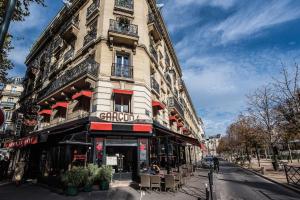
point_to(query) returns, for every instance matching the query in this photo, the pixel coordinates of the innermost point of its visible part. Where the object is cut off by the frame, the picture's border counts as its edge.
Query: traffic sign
(2, 117)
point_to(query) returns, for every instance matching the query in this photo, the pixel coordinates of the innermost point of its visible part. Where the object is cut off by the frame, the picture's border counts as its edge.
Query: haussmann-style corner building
(103, 85)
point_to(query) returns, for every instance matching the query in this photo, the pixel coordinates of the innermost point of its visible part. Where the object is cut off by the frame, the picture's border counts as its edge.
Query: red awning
(172, 118)
(60, 104)
(85, 93)
(117, 91)
(157, 104)
(203, 147)
(179, 125)
(45, 112)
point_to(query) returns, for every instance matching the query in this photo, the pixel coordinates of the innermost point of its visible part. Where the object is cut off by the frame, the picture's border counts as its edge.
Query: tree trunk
(275, 158)
(248, 156)
(290, 152)
(257, 155)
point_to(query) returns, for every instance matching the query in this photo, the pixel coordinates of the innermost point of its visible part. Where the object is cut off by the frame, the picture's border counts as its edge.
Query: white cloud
(216, 3)
(255, 17)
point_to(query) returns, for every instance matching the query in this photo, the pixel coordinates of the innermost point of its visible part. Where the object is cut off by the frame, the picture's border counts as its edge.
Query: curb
(5, 183)
(271, 180)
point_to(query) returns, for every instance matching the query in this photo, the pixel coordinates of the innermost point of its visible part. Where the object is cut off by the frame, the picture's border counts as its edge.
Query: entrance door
(127, 161)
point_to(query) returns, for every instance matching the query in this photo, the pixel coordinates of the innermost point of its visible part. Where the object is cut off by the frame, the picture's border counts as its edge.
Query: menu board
(111, 160)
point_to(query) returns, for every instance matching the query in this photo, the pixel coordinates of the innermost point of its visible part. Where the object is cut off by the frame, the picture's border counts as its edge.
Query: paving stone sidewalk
(194, 189)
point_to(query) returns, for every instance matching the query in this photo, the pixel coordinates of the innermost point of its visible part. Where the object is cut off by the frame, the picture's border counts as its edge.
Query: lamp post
(6, 21)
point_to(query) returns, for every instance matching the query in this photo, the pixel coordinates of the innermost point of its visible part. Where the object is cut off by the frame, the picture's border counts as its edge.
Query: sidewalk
(193, 190)
(269, 173)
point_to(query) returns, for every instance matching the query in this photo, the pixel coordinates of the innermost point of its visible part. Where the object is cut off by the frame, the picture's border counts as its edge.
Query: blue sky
(226, 48)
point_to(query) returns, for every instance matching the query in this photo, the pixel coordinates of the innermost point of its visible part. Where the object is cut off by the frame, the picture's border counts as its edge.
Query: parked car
(207, 162)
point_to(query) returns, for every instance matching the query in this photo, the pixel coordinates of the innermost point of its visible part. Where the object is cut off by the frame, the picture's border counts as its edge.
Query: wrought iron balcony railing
(68, 55)
(7, 104)
(155, 85)
(79, 114)
(88, 66)
(123, 28)
(173, 103)
(168, 78)
(127, 4)
(57, 44)
(120, 70)
(73, 21)
(167, 60)
(154, 53)
(92, 8)
(152, 19)
(92, 35)
(10, 93)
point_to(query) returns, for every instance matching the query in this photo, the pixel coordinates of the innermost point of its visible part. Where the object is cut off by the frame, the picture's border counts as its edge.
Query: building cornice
(52, 28)
(166, 34)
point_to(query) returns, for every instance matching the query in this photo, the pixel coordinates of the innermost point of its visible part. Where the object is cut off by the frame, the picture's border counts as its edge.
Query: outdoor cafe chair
(145, 181)
(170, 183)
(155, 182)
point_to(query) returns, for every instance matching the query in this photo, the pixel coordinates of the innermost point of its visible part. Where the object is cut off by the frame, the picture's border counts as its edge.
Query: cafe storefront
(130, 147)
(124, 141)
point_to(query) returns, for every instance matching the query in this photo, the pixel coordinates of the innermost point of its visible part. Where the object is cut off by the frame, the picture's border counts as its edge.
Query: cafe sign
(22, 142)
(117, 117)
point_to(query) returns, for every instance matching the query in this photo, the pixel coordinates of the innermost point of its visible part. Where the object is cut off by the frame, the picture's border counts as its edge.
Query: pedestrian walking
(216, 164)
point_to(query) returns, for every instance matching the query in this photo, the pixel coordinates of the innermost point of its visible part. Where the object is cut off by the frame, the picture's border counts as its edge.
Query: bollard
(262, 170)
(206, 192)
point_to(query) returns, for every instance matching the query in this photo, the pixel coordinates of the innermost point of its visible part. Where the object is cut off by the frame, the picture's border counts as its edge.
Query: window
(122, 66)
(122, 103)
(8, 115)
(10, 99)
(13, 89)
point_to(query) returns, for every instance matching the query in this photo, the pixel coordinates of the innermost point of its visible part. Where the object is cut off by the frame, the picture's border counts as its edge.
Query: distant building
(212, 144)
(9, 97)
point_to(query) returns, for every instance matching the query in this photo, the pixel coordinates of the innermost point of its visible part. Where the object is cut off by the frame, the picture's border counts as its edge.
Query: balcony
(6, 104)
(124, 5)
(154, 53)
(168, 78)
(155, 86)
(79, 114)
(91, 36)
(70, 29)
(86, 69)
(10, 93)
(175, 106)
(122, 71)
(68, 55)
(57, 44)
(167, 60)
(154, 27)
(123, 32)
(92, 9)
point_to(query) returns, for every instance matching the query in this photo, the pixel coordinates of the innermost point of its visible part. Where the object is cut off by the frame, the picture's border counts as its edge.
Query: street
(235, 183)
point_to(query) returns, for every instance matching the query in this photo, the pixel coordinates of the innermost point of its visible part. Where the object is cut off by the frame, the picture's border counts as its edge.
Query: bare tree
(288, 104)
(261, 107)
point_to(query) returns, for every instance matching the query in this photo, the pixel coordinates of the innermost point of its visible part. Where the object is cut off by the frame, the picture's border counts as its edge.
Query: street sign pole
(6, 21)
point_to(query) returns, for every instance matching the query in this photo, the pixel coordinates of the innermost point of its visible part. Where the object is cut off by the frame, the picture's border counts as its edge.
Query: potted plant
(104, 176)
(72, 179)
(90, 177)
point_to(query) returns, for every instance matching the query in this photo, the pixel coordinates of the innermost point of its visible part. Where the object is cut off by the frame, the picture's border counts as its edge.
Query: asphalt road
(234, 183)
